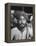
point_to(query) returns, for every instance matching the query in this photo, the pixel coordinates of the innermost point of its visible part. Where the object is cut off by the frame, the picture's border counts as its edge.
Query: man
(19, 32)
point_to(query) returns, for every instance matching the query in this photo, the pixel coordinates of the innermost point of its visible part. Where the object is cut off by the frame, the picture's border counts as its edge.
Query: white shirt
(18, 34)
(22, 35)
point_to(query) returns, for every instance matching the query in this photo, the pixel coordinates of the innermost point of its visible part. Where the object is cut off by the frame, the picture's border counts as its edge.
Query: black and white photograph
(21, 23)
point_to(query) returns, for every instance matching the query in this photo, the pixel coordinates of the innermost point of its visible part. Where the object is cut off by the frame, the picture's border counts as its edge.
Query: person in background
(29, 27)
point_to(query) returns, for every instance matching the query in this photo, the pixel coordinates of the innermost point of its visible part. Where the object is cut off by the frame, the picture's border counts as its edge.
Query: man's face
(22, 21)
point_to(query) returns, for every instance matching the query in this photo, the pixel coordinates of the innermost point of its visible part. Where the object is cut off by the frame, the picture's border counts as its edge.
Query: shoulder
(14, 29)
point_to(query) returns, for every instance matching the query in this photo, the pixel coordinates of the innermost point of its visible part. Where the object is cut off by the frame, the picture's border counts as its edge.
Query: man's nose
(22, 21)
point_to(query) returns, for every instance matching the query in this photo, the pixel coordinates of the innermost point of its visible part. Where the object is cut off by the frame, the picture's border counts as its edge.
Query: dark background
(21, 8)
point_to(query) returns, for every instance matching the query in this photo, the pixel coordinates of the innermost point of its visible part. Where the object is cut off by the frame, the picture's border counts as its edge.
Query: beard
(21, 27)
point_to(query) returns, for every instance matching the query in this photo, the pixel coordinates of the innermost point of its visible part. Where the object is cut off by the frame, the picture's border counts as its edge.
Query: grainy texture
(7, 22)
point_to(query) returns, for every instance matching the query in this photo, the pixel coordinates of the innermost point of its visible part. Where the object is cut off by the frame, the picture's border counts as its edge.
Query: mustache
(22, 24)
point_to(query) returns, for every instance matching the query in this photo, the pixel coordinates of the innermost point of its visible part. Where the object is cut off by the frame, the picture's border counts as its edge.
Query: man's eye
(23, 19)
(20, 20)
